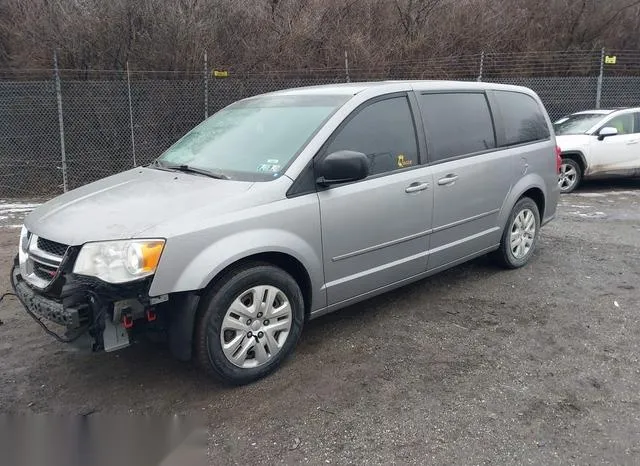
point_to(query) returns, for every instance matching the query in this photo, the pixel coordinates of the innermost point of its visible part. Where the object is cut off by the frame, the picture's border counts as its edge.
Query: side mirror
(341, 167)
(606, 132)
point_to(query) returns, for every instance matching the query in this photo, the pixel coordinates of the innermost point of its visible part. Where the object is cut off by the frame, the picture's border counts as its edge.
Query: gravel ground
(476, 365)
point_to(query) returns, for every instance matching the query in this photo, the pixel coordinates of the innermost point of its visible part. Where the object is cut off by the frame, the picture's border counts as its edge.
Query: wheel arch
(184, 307)
(282, 260)
(537, 196)
(577, 156)
(532, 186)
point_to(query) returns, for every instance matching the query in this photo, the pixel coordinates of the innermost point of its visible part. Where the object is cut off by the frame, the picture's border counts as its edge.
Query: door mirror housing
(341, 167)
(606, 132)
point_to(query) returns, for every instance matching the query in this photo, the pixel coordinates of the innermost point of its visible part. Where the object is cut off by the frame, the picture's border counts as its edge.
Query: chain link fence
(104, 122)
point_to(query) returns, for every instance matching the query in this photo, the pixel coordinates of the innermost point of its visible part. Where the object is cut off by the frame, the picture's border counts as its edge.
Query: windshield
(255, 139)
(577, 124)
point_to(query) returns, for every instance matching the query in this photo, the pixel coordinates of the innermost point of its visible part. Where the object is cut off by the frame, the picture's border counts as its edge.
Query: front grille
(43, 271)
(57, 249)
(40, 262)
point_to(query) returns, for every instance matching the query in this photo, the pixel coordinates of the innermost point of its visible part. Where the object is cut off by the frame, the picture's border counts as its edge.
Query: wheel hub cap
(250, 341)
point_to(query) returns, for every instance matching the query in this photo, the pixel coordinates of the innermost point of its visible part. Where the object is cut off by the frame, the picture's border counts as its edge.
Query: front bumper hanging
(85, 307)
(42, 307)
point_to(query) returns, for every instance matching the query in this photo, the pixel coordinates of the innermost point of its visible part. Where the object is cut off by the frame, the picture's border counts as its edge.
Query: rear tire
(232, 343)
(570, 175)
(520, 235)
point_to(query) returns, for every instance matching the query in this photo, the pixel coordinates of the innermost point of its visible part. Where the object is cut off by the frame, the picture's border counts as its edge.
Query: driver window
(384, 132)
(623, 123)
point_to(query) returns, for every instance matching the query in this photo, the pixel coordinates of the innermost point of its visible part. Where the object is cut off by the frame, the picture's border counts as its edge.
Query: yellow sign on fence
(610, 60)
(220, 74)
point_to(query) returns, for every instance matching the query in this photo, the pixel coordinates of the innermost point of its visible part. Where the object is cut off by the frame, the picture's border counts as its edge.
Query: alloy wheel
(568, 177)
(523, 233)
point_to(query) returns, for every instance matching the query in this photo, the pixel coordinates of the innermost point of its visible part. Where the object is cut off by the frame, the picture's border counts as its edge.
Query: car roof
(603, 111)
(357, 87)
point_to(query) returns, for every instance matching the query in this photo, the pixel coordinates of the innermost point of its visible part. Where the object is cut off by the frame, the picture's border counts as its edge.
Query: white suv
(598, 144)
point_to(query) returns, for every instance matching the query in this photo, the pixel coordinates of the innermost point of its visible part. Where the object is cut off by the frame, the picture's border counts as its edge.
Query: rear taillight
(558, 158)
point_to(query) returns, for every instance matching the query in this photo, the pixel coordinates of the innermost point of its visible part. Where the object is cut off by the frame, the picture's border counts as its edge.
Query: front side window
(625, 124)
(577, 124)
(384, 131)
(254, 139)
(522, 118)
(457, 124)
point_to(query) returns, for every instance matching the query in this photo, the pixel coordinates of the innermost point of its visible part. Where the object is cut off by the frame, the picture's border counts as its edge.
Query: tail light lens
(558, 158)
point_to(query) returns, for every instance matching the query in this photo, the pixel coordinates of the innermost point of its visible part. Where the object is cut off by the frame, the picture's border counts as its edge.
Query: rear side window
(384, 131)
(457, 124)
(522, 118)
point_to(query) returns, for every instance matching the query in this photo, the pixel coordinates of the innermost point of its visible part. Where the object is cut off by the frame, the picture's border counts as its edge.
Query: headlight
(119, 261)
(24, 239)
(23, 245)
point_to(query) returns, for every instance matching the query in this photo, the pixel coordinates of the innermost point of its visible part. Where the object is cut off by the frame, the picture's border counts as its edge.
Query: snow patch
(627, 193)
(14, 211)
(593, 215)
(17, 205)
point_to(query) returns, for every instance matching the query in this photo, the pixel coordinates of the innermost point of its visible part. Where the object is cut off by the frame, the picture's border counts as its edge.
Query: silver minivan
(285, 206)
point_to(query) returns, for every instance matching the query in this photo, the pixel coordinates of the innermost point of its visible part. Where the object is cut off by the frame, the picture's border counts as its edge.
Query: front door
(375, 231)
(619, 153)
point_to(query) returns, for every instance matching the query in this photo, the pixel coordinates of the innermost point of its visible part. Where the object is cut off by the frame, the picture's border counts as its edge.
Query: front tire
(520, 236)
(570, 175)
(249, 323)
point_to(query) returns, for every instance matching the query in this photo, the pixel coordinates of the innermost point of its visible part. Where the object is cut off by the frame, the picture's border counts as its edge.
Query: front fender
(217, 256)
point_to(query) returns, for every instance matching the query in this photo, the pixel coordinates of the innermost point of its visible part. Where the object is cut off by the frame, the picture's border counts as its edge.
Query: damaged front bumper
(88, 312)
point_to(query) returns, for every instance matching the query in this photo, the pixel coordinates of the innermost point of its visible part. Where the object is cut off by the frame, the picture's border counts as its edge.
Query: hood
(569, 142)
(120, 206)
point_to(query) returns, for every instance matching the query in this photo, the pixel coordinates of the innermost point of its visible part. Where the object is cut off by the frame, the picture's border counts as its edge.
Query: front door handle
(633, 141)
(449, 179)
(416, 187)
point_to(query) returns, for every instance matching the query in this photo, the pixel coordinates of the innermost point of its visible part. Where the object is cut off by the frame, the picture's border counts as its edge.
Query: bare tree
(257, 35)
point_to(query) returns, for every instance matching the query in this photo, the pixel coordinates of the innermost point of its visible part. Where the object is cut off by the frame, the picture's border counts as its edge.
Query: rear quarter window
(521, 118)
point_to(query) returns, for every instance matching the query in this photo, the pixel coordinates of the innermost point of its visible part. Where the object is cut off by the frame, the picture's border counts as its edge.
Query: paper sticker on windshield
(403, 162)
(272, 161)
(269, 168)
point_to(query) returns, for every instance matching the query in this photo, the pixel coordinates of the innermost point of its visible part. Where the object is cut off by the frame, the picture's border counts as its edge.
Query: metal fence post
(133, 139)
(600, 79)
(481, 66)
(63, 155)
(206, 87)
(346, 65)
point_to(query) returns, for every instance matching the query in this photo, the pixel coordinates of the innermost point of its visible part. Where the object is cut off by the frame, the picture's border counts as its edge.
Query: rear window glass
(522, 118)
(457, 124)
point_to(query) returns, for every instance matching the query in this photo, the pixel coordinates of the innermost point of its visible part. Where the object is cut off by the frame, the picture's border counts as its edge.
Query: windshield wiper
(190, 169)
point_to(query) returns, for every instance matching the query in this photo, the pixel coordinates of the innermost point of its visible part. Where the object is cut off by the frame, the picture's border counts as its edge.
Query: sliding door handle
(416, 187)
(449, 179)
